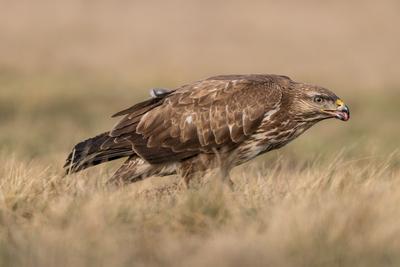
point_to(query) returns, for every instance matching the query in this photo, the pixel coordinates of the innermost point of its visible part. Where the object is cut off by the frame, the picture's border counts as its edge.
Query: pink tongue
(346, 116)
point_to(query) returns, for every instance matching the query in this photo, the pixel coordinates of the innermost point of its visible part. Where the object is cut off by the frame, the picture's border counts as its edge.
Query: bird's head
(315, 103)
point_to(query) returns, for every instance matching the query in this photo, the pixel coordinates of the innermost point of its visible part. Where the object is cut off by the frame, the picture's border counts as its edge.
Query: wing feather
(216, 113)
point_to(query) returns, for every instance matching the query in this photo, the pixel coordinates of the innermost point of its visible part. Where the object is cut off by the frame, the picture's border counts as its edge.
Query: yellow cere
(339, 102)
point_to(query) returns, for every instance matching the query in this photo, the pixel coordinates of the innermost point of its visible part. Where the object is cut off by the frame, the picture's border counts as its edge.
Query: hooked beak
(342, 111)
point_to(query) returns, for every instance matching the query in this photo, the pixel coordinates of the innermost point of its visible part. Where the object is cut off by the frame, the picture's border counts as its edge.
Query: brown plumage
(220, 122)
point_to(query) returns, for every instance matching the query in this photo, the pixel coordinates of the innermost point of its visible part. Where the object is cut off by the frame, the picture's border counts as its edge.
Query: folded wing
(220, 112)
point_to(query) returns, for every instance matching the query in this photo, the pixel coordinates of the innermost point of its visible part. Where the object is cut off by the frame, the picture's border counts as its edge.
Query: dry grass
(342, 214)
(328, 199)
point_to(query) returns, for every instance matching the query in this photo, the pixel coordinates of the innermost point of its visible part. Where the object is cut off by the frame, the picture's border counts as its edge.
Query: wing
(216, 113)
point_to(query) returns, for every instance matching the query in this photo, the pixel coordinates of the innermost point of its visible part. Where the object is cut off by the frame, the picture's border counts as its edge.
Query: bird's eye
(318, 99)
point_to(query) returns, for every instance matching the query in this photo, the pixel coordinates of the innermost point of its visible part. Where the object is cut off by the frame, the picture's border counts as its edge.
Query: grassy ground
(329, 198)
(344, 214)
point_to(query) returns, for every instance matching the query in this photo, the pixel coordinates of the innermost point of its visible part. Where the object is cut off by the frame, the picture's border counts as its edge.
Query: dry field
(330, 198)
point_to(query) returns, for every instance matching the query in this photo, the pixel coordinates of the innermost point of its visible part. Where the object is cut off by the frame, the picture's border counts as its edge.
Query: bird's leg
(223, 166)
(186, 173)
(224, 169)
(226, 177)
(129, 172)
(186, 180)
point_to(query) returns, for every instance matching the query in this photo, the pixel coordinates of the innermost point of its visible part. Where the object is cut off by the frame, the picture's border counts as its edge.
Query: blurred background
(67, 65)
(330, 198)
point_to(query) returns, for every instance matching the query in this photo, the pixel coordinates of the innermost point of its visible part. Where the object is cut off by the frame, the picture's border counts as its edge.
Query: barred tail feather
(89, 153)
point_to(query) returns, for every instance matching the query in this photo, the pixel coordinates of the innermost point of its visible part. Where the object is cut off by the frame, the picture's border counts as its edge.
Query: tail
(90, 153)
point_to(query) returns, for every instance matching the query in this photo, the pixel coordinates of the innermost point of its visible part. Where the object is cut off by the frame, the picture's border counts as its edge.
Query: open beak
(342, 112)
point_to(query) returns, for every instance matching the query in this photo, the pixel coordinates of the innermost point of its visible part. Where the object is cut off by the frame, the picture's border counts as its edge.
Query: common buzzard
(220, 122)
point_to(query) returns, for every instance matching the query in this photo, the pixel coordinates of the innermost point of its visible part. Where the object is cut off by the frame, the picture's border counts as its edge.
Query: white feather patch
(189, 119)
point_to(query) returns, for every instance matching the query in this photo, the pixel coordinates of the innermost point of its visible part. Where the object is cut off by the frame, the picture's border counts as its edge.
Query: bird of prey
(220, 122)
